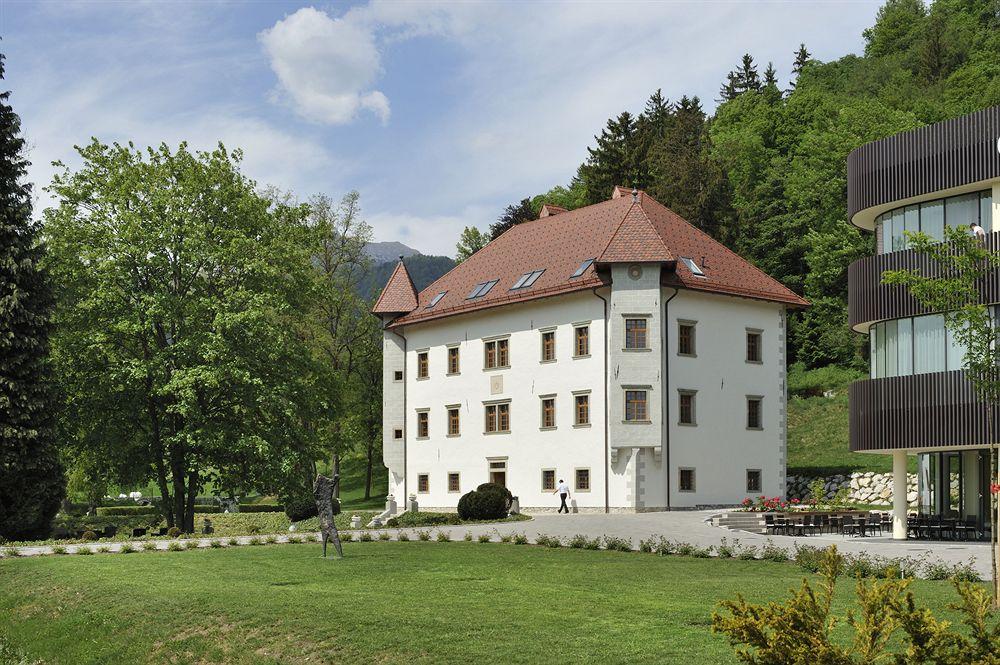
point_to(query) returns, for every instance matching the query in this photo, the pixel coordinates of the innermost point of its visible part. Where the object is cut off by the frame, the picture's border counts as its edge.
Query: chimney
(548, 210)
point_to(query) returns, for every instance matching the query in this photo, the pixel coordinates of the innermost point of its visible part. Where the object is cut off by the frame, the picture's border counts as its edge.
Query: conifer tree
(616, 160)
(770, 76)
(32, 484)
(747, 78)
(801, 59)
(512, 214)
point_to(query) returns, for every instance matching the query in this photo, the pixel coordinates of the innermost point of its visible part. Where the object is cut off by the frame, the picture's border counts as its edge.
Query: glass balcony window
(930, 217)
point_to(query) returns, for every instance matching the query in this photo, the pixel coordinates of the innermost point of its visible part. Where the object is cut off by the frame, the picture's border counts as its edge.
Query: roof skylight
(482, 289)
(693, 267)
(583, 268)
(527, 279)
(435, 300)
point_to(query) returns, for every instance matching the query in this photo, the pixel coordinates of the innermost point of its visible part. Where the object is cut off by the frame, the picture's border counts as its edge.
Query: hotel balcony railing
(870, 300)
(919, 411)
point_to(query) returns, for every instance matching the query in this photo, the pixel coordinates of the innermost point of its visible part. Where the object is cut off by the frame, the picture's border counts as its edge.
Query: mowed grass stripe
(386, 602)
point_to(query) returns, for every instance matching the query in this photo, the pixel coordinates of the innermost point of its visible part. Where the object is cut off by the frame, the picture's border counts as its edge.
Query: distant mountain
(381, 252)
(423, 269)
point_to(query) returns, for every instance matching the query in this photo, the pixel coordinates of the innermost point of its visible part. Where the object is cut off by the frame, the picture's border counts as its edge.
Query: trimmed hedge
(106, 511)
(424, 519)
(261, 508)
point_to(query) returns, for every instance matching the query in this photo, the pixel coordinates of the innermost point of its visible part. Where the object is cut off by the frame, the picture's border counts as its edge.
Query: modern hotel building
(917, 401)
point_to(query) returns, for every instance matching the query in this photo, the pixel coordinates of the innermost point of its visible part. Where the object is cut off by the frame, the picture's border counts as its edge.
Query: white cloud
(326, 66)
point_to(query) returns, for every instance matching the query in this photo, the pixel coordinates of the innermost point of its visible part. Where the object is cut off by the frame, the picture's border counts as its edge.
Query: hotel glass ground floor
(955, 484)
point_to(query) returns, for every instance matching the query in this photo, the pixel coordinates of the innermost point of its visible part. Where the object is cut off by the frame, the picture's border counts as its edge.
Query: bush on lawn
(483, 504)
(88, 535)
(499, 489)
(301, 506)
(173, 532)
(888, 625)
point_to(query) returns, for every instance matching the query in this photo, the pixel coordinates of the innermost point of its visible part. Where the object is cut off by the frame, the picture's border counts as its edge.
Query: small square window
(582, 480)
(635, 406)
(753, 481)
(453, 483)
(423, 483)
(582, 410)
(754, 353)
(635, 333)
(397, 375)
(548, 346)
(423, 424)
(685, 339)
(422, 365)
(686, 480)
(686, 407)
(582, 339)
(754, 416)
(548, 412)
(548, 480)
(397, 433)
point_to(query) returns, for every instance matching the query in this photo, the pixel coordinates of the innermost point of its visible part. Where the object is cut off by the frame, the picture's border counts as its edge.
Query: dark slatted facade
(870, 300)
(920, 411)
(926, 160)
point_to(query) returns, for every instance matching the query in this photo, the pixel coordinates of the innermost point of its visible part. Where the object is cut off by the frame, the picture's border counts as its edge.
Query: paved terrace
(686, 526)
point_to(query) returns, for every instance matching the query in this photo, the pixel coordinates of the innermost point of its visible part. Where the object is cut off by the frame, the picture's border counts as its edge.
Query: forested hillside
(766, 173)
(423, 270)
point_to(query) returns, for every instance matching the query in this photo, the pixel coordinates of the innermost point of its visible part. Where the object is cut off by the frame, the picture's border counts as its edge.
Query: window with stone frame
(636, 333)
(686, 483)
(453, 483)
(498, 418)
(582, 409)
(754, 351)
(636, 406)
(423, 483)
(548, 480)
(686, 407)
(685, 338)
(548, 412)
(581, 341)
(754, 415)
(454, 421)
(423, 365)
(548, 346)
(454, 366)
(582, 477)
(423, 424)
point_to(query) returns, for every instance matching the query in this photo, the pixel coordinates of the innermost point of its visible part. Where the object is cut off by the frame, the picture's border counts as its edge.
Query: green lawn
(818, 439)
(386, 602)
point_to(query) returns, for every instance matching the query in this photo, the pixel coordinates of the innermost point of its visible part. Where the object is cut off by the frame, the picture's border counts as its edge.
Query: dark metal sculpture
(323, 492)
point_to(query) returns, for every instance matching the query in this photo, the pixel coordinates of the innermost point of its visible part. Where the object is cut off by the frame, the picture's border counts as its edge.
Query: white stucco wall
(528, 449)
(720, 447)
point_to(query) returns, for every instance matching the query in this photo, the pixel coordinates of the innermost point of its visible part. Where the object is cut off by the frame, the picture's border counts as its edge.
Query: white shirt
(978, 231)
(563, 488)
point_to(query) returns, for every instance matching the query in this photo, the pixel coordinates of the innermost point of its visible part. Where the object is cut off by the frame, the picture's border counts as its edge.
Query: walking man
(563, 491)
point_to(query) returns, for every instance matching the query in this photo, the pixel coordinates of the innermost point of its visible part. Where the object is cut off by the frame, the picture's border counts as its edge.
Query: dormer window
(482, 289)
(527, 279)
(693, 267)
(435, 300)
(583, 268)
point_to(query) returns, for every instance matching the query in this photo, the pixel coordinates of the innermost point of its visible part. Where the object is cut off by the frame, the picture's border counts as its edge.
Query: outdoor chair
(769, 525)
(781, 525)
(811, 524)
(875, 524)
(969, 526)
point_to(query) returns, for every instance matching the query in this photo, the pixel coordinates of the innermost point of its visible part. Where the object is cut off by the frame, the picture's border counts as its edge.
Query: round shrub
(88, 535)
(300, 507)
(500, 489)
(482, 505)
(173, 532)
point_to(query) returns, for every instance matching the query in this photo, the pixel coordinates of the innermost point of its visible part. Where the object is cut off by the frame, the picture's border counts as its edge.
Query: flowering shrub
(764, 504)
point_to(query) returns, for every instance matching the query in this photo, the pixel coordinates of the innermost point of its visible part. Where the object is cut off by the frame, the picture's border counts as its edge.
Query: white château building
(615, 347)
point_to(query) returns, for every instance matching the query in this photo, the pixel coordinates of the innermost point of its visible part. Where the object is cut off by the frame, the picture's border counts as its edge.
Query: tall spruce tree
(617, 159)
(32, 483)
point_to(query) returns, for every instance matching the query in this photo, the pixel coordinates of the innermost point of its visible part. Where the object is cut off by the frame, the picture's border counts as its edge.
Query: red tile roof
(399, 295)
(613, 231)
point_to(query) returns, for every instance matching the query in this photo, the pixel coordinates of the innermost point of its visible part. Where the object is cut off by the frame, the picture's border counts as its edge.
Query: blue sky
(439, 114)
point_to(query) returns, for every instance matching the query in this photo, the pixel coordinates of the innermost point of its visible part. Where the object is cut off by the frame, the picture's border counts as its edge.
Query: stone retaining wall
(863, 487)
